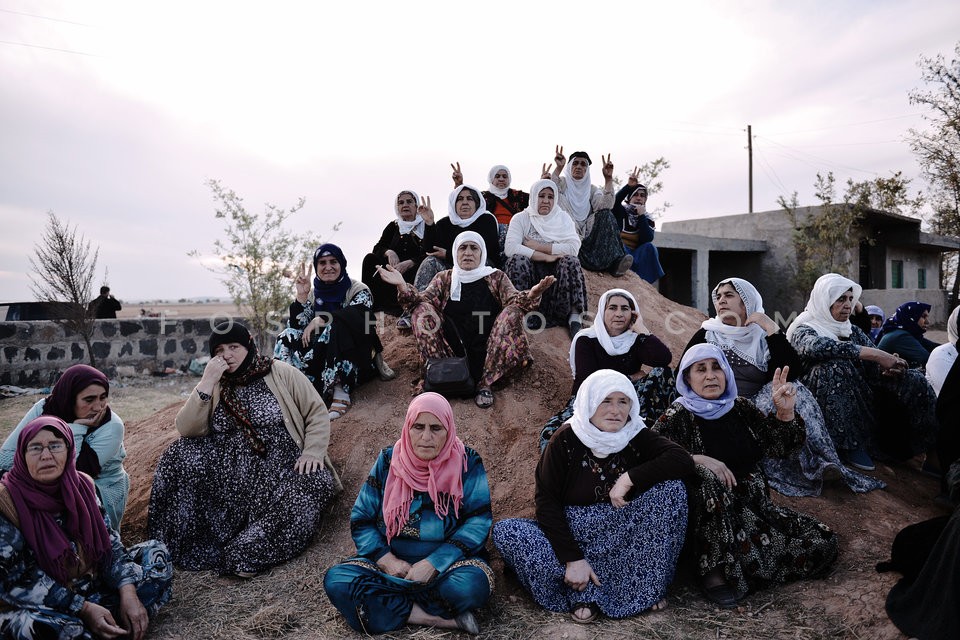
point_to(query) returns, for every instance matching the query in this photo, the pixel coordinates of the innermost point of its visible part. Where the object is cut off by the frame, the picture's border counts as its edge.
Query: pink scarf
(38, 504)
(441, 477)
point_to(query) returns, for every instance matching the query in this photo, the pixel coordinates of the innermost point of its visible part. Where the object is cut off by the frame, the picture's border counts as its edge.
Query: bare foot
(659, 606)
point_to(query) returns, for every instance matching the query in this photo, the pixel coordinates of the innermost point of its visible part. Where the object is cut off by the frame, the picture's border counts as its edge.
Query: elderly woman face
(406, 206)
(923, 320)
(328, 269)
(612, 414)
(501, 179)
(468, 255)
(729, 305)
(842, 307)
(617, 315)
(233, 353)
(545, 200)
(706, 379)
(90, 401)
(46, 456)
(578, 168)
(876, 322)
(427, 436)
(466, 204)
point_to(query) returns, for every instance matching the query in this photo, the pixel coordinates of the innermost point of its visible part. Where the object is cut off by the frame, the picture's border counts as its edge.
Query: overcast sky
(114, 114)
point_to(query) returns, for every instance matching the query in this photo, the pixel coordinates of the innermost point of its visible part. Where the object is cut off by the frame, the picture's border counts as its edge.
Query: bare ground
(289, 600)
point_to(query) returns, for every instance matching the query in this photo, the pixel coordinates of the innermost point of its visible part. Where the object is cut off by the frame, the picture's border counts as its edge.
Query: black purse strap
(456, 332)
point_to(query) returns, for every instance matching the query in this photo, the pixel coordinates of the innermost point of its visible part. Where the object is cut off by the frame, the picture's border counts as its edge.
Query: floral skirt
(567, 296)
(633, 550)
(602, 248)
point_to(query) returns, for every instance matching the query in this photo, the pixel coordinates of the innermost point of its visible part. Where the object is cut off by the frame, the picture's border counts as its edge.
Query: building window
(896, 274)
(921, 278)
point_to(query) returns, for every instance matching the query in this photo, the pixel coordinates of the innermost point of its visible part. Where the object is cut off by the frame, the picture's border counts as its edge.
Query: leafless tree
(64, 265)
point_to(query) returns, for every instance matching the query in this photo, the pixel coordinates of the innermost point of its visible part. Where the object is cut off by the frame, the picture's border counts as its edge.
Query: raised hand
(425, 210)
(559, 159)
(545, 172)
(607, 167)
(390, 275)
(634, 178)
(784, 394)
(765, 322)
(457, 175)
(538, 289)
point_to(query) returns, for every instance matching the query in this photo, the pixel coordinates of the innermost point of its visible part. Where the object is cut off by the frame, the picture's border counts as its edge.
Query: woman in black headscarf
(245, 486)
(331, 335)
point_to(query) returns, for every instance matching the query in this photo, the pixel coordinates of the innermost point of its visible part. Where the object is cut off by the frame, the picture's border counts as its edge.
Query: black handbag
(450, 377)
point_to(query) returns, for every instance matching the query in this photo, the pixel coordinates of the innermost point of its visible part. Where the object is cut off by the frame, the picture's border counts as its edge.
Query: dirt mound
(506, 436)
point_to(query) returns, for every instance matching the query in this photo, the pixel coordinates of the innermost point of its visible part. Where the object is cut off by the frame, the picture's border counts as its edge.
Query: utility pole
(749, 169)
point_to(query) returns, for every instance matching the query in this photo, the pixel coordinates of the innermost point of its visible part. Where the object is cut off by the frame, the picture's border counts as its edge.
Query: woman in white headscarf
(611, 511)
(472, 309)
(943, 357)
(755, 347)
(403, 245)
(466, 212)
(591, 209)
(844, 373)
(502, 201)
(542, 241)
(742, 540)
(619, 340)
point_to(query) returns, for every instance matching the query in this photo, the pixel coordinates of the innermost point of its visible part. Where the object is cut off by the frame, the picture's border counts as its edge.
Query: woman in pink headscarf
(420, 524)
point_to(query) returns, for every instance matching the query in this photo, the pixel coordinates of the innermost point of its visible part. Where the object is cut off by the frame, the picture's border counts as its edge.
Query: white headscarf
(592, 392)
(556, 226)
(750, 341)
(952, 325)
(816, 314)
(613, 345)
(461, 276)
(500, 193)
(578, 193)
(690, 399)
(452, 209)
(406, 226)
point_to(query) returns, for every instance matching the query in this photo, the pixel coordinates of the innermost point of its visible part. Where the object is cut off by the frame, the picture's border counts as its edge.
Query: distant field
(180, 310)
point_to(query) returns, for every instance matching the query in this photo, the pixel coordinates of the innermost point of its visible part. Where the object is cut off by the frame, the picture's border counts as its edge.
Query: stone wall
(34, 353)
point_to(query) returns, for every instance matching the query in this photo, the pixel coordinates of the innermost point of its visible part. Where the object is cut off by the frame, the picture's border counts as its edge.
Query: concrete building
(890, 257)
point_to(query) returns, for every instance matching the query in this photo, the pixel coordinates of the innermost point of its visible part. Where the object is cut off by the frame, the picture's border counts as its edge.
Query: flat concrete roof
(692, 241)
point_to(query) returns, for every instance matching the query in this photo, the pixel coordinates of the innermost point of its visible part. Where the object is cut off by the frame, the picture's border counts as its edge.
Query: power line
(39, 46)
(851, 124)
(824, 161)
(33, 15)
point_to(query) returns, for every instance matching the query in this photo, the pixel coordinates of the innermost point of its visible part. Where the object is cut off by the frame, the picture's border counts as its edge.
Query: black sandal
(721, 595)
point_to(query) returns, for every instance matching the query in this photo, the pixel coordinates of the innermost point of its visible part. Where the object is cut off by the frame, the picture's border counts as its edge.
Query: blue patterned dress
(375, 602)
(342, 353)
(33, 605)
(633, 550)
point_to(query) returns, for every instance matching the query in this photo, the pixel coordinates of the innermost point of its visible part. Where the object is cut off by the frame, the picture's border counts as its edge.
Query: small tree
(938, 151)
(64, 265)
(823, 243)
(649, 175)
(256, 255)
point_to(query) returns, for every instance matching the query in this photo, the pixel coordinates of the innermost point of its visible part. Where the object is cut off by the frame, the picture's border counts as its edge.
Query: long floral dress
(741, 531)
(33, 605)
(850, 392)
(375, 602)
(218, 505)
(344, 350)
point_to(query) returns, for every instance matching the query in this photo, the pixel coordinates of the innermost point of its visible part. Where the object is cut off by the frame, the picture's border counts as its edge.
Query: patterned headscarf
(906, 317)
(253, 367)
(592, 392)
(330, 296)
(441, 478)
(71, 497)
(699, 406)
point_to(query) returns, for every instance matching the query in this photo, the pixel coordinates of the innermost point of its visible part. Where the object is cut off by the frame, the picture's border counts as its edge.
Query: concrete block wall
(35, 353)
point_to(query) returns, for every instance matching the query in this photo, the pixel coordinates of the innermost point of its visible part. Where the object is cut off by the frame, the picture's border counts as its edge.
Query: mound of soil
(506, 435)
